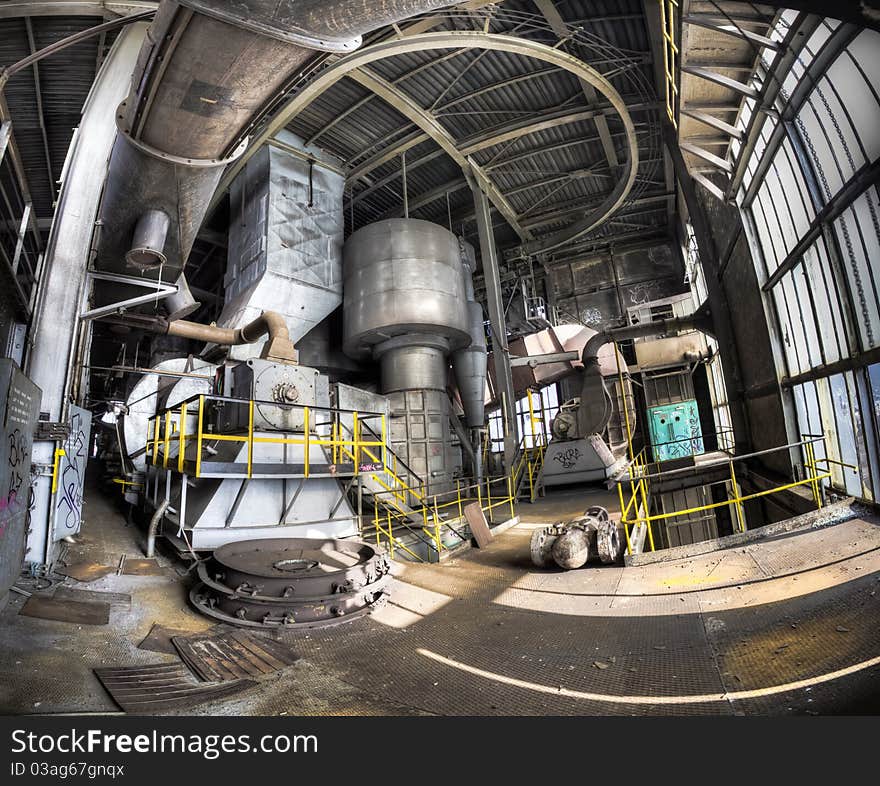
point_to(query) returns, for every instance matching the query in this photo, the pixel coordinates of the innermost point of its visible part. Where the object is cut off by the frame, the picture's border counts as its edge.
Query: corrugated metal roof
(472, 93)
(475, 93)
(64, 82)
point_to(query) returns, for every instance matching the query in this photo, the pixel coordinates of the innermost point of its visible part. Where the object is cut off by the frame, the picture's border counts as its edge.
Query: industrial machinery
(571, 544)
(246, 442)
(408, 305)
(588, 434)
(306, 583)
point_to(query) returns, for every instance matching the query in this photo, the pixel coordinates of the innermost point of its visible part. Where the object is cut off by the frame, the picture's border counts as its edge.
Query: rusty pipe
(271, 323)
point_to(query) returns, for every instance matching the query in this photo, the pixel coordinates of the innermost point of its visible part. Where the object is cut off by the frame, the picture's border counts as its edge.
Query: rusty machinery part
(285, 393)
(608, 542)
(541, 545)
(571, 549)
(570, 544)
(296, 582)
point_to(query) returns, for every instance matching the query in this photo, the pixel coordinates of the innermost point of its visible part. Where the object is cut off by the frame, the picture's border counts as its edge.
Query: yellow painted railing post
(489, 496)
(199, 436)
(181, 444)
(458, 497)
(437, 539)
(736, 499)
(155, 438)
(59, 452)
(814, 483)
(510, 494)
(308, 430)
(167, 438)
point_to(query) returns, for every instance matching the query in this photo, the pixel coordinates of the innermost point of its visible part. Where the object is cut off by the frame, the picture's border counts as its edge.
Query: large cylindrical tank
(402, 276)
(406, 305)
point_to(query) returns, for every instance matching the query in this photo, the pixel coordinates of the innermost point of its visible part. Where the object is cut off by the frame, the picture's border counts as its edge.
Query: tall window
(811, 208)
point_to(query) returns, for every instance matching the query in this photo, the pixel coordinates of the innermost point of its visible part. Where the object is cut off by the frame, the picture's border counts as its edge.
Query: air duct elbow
(279, 346)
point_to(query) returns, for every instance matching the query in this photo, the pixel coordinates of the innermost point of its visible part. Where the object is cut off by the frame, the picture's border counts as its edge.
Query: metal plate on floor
(163, 686)
(232, 654)
(117, 600)
(159, 639)
(74, 611)
(141, 567)
(85, 571)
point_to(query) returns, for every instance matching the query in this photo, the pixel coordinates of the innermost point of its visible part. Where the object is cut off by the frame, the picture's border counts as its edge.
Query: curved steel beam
(426, 121)
(467, 39)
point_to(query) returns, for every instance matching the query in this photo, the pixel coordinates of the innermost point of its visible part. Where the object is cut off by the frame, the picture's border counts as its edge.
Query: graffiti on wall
(71, 475)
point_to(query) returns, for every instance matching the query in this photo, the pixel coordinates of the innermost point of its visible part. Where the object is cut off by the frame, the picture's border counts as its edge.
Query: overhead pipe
(193, 103)
(271, 323)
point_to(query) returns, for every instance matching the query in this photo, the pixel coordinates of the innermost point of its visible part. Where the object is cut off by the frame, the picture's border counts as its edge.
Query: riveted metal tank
(406, 305)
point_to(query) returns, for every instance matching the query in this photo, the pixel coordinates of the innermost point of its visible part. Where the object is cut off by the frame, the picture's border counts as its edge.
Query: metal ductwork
(596, 405)
(470, 363)
(205, 73)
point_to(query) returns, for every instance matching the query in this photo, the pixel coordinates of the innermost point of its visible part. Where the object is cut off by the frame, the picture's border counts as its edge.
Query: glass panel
(858, 233)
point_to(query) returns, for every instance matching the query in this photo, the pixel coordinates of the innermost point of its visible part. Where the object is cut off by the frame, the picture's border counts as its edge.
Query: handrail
(741, 457)
(639, 483)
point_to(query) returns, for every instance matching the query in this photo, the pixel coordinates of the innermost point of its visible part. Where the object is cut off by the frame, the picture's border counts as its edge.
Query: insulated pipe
(590, 355)
(278, 347)
(154, 528)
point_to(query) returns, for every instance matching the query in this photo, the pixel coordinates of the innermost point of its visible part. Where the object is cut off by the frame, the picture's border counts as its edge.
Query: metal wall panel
(19, 408)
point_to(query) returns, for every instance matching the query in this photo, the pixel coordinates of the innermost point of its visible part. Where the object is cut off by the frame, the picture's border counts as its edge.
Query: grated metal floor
(486, 634)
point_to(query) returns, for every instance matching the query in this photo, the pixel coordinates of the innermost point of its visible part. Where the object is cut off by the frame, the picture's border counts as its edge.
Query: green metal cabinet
(675, 430)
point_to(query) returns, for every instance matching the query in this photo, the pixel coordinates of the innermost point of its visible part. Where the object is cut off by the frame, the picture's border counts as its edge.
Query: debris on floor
(220, 655)
(85, 571)
(159, 639)
(163, 686)
(133, 566)
(76, 611)
(117, 600)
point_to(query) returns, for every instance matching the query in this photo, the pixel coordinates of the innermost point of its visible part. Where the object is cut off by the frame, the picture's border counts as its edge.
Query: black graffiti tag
(71, 481)
(568, 458)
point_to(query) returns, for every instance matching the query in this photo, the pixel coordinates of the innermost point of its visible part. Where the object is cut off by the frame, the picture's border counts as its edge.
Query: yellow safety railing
(670, 55)
(437, 511)
(635, 510)
(346, 444)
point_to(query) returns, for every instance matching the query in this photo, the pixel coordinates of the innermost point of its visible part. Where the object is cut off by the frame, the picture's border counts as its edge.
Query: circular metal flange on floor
(302, 582)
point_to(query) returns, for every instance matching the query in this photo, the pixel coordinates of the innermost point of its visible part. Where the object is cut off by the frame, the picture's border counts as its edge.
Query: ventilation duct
(205, 73)
(285, 240)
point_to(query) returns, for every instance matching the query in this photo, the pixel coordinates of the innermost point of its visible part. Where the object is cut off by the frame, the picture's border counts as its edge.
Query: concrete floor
(790, 625)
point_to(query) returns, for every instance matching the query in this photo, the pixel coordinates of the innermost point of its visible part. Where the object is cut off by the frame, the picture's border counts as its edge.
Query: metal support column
(495, 302)
(715, 296)
(56, 323)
